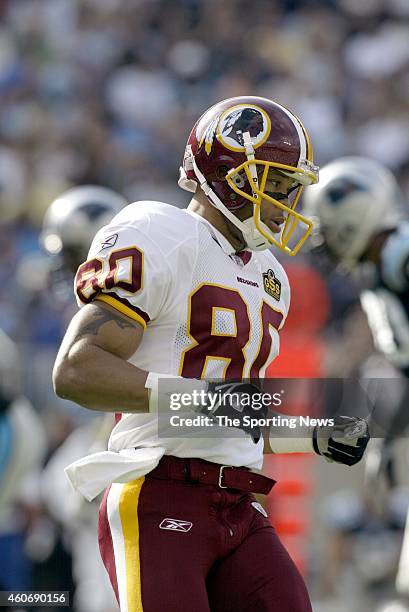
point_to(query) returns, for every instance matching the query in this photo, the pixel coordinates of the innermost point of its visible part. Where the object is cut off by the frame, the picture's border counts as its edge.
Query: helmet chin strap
(254, 240)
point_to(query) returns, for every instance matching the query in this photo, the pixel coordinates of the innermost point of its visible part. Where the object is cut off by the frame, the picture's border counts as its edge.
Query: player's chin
(274, 226)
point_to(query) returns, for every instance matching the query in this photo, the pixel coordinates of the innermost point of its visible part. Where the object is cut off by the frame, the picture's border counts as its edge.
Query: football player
(169, 299)
(362, 221)
(69, 225)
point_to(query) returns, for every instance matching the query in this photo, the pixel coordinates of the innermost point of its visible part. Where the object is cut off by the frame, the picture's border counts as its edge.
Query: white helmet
(355, 199)
(74, 218)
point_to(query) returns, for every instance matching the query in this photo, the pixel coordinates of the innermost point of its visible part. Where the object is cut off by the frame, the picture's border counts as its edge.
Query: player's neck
(201, 206)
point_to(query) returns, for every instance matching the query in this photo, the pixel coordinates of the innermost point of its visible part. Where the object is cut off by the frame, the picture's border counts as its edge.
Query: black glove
(228, 406)
(344, 442)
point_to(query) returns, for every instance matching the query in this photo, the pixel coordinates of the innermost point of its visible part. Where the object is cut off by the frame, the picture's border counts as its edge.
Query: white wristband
(290, 444)
(183, 385)
(152, 380)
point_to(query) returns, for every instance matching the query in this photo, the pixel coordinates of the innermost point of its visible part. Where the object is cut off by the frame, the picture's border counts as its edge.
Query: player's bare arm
(91, 366)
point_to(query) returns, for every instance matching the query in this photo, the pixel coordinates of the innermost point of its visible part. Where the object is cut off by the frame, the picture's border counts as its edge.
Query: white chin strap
(254, 240)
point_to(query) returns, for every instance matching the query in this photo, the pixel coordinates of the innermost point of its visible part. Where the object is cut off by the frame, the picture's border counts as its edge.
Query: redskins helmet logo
(209, 135)
(229, 127)
(240, 119)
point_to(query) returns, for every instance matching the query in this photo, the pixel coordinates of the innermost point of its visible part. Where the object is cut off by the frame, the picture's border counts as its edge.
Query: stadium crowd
(105, 91)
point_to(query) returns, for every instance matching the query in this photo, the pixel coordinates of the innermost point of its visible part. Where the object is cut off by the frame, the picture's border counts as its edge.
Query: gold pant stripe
(128, 511)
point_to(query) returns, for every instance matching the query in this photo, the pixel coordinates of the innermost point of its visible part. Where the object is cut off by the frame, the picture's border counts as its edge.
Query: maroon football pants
(179, 547)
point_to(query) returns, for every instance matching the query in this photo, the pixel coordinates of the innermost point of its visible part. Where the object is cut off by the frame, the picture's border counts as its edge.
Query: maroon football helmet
(230, 152)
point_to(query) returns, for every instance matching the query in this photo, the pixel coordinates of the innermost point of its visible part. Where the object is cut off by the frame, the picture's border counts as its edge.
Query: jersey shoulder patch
(275, 279)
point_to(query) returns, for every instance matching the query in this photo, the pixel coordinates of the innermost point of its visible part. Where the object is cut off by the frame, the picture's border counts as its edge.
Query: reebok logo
(110, 241)
(175, 525)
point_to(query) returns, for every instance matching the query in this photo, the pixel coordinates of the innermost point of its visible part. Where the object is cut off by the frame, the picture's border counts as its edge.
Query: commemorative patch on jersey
(272, 285)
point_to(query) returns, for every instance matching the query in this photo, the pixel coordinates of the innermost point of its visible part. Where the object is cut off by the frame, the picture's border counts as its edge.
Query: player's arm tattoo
(99, 318)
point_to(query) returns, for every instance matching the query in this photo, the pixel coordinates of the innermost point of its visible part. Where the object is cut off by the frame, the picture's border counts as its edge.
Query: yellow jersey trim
(126, 310)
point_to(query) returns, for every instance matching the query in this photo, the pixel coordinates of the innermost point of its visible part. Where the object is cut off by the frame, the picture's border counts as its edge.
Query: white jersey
(207, 313)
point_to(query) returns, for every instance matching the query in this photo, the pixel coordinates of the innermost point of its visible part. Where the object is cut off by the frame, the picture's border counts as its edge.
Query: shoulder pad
(395, 259)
